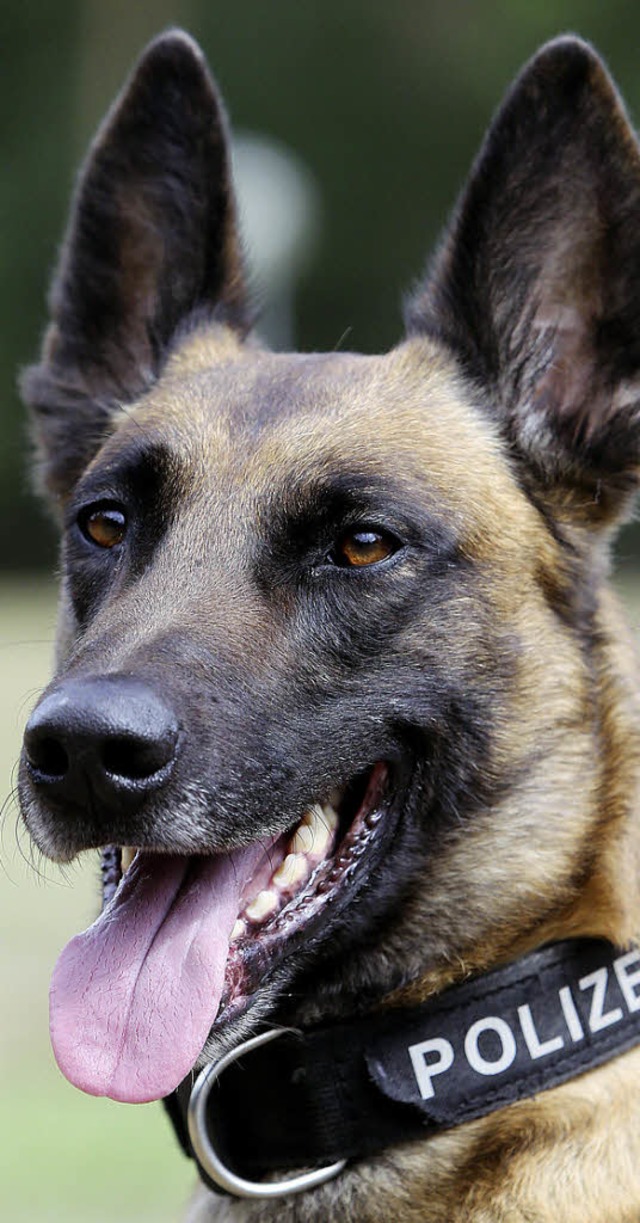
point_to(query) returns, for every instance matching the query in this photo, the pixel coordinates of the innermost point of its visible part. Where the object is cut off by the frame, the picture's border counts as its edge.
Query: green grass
(63, 1155)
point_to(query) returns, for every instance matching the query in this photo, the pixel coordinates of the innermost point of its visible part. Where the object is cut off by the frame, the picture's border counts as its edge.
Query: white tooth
(313, 814)
(266, 902)
(290, 872)
(321, 838)
(314, 831)
(127, 854)
(302, 840)
(239, 929)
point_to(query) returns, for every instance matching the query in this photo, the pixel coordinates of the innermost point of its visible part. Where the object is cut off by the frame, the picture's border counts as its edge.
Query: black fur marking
(304, 521)
(146, 480)
(152, 238)
(536, 287)
(68, 427)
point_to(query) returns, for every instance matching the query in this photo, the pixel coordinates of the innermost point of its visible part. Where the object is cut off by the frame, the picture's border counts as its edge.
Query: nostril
(46, 755)
(104, 740)
(133, 758)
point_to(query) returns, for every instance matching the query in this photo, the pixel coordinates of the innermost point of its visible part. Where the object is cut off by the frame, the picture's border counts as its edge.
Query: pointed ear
(537, 284)
(152, 239)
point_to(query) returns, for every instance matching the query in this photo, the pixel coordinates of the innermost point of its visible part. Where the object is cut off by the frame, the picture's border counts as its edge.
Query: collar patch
(512, 1033)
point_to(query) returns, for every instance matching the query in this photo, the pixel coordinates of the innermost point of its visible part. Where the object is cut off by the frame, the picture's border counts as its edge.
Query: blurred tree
(110, 37)
(385, 103)
(36, 105)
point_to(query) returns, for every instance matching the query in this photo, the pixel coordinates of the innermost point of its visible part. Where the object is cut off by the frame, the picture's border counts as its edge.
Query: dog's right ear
(152, 239)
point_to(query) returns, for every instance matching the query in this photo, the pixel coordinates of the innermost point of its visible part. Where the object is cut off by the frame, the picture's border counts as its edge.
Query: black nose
(103, 740)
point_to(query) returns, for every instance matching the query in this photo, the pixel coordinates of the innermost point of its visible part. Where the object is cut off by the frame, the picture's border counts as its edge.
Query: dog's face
(330, 623)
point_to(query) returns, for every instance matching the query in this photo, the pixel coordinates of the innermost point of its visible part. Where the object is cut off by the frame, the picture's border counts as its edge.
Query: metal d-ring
(206, 1153)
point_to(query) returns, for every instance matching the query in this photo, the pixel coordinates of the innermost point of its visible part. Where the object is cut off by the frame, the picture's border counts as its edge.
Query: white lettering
(569, 1010)
(492, 1023)
(628, 980)
(426, 1071)
(536, 1047)
(598, 1018)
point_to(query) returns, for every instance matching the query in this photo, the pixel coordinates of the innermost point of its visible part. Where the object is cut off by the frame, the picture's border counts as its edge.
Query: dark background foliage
(385, 103)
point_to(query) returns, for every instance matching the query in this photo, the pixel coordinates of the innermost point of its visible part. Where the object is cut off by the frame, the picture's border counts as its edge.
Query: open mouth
(184, 943)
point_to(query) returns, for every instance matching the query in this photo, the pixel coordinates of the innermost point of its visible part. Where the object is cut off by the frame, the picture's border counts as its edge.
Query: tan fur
(572, 1153)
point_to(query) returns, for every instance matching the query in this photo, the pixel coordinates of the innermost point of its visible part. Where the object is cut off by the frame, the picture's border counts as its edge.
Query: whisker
(347, 332)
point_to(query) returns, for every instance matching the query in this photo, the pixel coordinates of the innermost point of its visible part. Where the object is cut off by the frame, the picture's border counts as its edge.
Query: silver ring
(206, 1153)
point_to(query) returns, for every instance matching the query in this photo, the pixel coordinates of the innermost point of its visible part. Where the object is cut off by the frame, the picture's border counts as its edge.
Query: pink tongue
(133, 998)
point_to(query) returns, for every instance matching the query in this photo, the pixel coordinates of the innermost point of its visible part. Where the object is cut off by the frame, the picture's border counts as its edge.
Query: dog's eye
(363, 546)
(103, 525)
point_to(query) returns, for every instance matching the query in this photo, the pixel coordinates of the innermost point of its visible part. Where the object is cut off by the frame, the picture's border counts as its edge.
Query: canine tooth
(127, 854)
(314, 831)
(302, 840)
(266, 902)
(321, 838)
(291, 871)
(313, 813)
(238, 930)
(330, 815)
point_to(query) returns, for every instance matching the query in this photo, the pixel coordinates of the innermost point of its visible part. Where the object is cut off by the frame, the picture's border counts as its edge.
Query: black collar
(344, 1091)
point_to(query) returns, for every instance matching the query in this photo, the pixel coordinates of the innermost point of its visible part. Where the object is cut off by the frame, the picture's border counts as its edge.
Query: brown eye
(104, 526)
(364, 547)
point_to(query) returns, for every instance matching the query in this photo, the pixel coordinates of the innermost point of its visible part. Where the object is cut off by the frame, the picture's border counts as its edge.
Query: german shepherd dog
(339, 668)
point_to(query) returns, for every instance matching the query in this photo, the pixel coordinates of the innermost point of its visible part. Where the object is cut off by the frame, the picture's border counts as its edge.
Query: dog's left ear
(152, 240)
(537, 285)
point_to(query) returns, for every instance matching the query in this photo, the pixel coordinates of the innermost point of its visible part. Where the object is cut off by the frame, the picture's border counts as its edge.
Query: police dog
(303, 591)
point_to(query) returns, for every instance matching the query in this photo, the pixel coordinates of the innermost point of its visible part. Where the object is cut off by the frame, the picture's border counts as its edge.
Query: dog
(342, 690)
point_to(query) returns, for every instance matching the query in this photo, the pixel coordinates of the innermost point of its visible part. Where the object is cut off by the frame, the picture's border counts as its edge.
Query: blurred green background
(384, 105)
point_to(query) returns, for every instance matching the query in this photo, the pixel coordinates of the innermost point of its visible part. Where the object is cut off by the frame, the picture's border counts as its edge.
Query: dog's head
(333, 651)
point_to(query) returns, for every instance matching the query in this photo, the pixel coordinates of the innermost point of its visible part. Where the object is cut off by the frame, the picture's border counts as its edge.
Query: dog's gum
(372, 819)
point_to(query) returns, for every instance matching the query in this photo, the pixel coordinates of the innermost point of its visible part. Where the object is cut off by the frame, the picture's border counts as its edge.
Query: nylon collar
(345, 1091)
